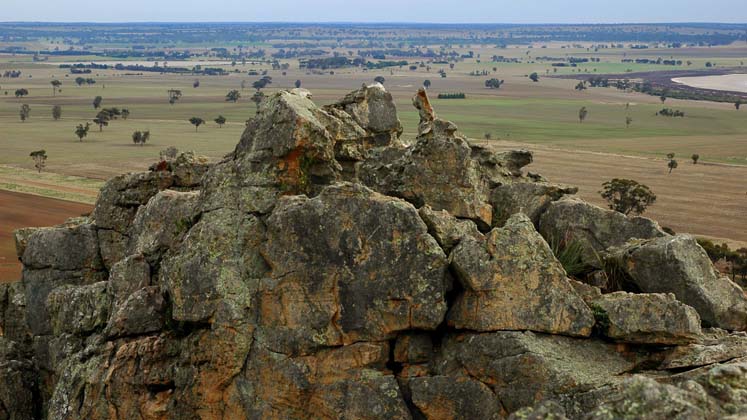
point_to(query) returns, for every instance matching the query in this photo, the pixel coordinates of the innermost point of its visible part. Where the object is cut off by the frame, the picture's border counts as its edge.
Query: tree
(737, 104)
(197, 122)
(535, 77)
(233, 96)
(220, 121)
(125, 113)
(55, 85)
(80, 81)
(298, 84)
(580, 86)
(40, 159)
(663, 98)
(379, 79)
(628, 120)
(102, 119)
(695, 157)
(97, 102)
(174, 95)
(24, 112)
(582, 113)
(56, 112)
(262, 83)
(627, 196)
(257, 98)
(487, 136)
(82, 130)
(21, 93)
(672, 165)
(140, 137)
(196, 83)
(493, 83)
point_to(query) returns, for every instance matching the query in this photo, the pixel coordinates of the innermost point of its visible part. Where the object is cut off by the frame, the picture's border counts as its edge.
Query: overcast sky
(474, 11)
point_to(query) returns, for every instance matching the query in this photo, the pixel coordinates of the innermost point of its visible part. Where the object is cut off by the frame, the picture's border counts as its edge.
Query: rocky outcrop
(512, 281)
(326, 268)
(647, 318)
(678, 265)
(594, 228)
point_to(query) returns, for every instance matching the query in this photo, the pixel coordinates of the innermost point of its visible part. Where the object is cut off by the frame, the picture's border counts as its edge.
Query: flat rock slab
(648, 318)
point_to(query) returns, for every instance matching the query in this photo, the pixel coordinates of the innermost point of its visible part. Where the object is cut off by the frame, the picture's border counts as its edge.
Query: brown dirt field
(21, 210)
(708, 200)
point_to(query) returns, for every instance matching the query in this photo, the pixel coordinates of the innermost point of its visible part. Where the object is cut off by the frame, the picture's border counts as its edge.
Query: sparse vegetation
(40, 159)
(140, 137)
(197, 122)
(82, 131)
(25, 112)
(627, 196)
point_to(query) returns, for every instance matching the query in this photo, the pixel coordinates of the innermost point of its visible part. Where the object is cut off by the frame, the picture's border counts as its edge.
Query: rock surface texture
(329, 269)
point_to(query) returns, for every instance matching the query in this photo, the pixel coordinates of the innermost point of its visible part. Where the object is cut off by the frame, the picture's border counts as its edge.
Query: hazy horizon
(384, 11)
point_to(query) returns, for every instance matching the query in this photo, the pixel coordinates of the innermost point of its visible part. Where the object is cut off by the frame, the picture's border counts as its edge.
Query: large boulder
(78, 309)
(444, 397)
(214, 273)
(447, 229)
(54, 257)
(512, 281)
(443, 170)
(715, 347)
(530, 198)
(373, 109)
(17, 383)
(348, 265)
(162, 223)
(595, 229)
(344, 382)
(645, 399)
(523, 368)
(649, 318)
(117, 205)
(677, 264)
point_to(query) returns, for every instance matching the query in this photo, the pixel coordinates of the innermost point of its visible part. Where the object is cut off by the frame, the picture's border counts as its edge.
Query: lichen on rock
(329, 268)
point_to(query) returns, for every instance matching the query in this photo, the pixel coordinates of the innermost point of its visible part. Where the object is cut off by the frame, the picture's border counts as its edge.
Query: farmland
(706, 199)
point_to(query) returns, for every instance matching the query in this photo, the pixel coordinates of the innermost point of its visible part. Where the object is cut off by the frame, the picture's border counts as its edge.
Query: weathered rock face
(325, 269)
(523, 368)
(531, 199)
(595, 228)
(512, 281)
(646, 318)
(348, 265)
(443, 170)
(678, 265)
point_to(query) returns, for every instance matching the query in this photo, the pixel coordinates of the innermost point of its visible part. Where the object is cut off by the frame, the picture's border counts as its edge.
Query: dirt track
(21, 210)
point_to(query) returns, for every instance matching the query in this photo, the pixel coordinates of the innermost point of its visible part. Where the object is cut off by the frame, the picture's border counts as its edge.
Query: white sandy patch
(733, 82)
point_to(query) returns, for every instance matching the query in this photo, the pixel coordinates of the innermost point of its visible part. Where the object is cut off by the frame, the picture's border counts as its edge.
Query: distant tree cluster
(668, 112)
(493, 83)
(456, 95)
(736, 259)
(140, 137)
